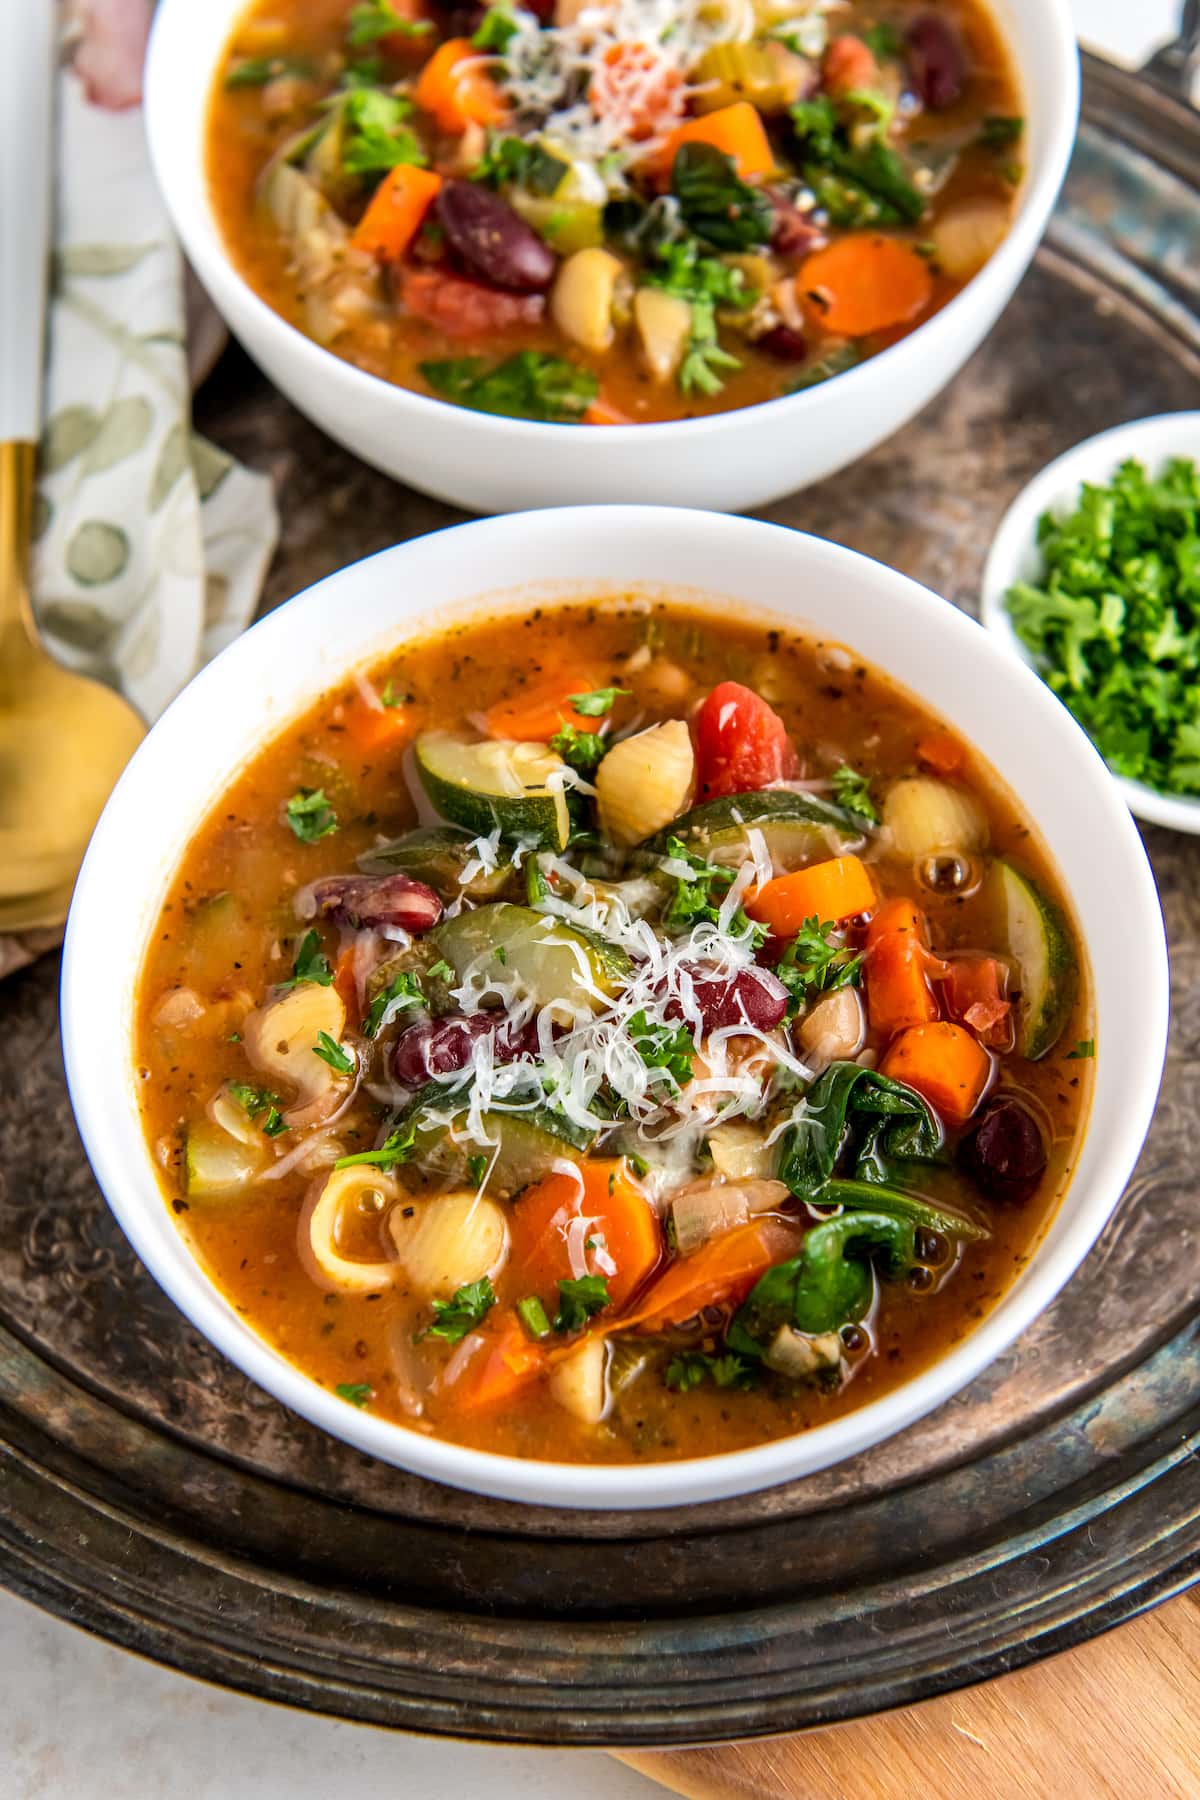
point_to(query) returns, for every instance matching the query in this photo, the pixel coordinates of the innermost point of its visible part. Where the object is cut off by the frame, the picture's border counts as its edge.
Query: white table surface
(81, 1720)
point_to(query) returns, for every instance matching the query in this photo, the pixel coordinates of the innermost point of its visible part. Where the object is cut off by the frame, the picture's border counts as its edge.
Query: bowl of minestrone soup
(617, 1006)
(687, 252)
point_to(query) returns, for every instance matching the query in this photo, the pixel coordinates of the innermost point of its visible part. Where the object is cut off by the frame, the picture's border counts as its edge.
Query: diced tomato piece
(465, 309)
(974, 990)
(741, 743)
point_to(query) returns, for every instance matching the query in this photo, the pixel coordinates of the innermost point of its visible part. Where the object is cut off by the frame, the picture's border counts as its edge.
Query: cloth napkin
(152, 542)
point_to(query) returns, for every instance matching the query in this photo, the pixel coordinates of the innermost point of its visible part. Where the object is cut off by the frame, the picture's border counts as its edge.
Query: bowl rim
(1150, 439)
(101, 1083)
(222, 278)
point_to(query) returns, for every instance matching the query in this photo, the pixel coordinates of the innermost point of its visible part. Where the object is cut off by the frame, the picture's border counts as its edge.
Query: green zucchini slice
(540, 952)
(529, 1143)
(437, 855)
(519, 787)
(796, 828)
(1036, 937)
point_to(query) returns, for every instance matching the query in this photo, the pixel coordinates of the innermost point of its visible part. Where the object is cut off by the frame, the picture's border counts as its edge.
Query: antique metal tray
(149, 1492)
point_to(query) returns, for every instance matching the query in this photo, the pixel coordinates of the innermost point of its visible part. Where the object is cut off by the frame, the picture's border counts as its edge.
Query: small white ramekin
(265, 678)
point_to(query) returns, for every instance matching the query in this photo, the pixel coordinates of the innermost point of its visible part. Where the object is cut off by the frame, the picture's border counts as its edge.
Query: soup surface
(621, 1033)
(628, 211)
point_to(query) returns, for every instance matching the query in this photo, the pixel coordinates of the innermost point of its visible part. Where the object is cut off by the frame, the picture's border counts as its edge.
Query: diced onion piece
(218, 1164)
(740, 1150)
(450, 1241)
(320, 1230)
(923, 815)
(833, 1031)
(967, 234)
(279, 1040)
(233, 1118)
(578, 1382)
(664, 325)
(710, 1209)
(645, 781)
(584, 293)
(794, 1354)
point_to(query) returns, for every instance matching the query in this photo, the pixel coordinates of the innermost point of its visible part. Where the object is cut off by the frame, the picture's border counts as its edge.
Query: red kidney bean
(443, 1046)
(784, 344)
(792, 232)
(751, 997)
(1005, 1153)
(492, 240)
(373, 900)
(937, 61)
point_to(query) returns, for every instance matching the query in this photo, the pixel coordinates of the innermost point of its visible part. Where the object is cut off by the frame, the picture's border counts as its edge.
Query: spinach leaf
(872, 1119)
(529, 385)
(715, 202)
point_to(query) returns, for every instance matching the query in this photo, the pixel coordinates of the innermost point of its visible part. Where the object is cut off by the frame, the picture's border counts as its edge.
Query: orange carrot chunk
(603, 412)
(737, 130)
(534, 713)
(505, 1362)
(375, 728)
(898, 990)
(623, 1229)
(455, 88)
(941, 752)
(723, 1270)
(395, 214)
(848, 65)
(945, 1064)
(865, 283)
(836, 890)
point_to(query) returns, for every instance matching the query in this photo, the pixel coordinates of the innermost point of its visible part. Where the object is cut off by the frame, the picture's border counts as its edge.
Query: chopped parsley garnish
(400, 993)
(331, 1052)
(310, 815)
(530, 385)
(452, 1319)
(259, 1101)
(400, 1146)
(705, 282)
(691, 1368)
(311, 964)
(857, 185)
(1001, 133)
(477, 1168)
(715, 203)
(1114, 622)
(699, 895)
(375, 19)
(666, 1050)
(884, 42)
(440, 971)
(598, 701)
(578, 1300)
(389, 697)
(375, 136)
(496, 28)
(256, 71)
(582, 750)
(853, 791)
(815, 963)
(1084, 1051)
(533, 1317)
(526, 165)
(356, 1392)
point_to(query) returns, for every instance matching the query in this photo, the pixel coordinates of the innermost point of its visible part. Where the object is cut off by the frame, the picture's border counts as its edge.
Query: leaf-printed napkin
(152, 543)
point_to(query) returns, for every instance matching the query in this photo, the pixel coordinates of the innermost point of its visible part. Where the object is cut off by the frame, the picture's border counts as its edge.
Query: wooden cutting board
(1116, 1719)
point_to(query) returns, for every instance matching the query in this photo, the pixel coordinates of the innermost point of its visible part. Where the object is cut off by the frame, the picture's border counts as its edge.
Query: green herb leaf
(515, 161)
(817, 961)
(530, 385)
(402, 992)
(375, 136)
(579, 1300)
(259, 1102)
(1001, 133)
(256, 71)
(715, 202)
(400, 1146)
(705, 282)
(691, 1368)
(441, 971)
(532, 1315)
(599, 701)
(884, 42)
(666, 1050)
(1114, 623)
(331, 1052)
(453, 1319)
(853, 791)
(311, 963)
(310, 815)
(495, 29)
(477, 1168)
(375, 19)
(583, 750)
(1084, 1051)
(390, 696)
(356, 1392)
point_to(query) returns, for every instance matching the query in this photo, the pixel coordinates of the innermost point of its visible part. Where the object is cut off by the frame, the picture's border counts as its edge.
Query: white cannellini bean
(578, 1381)
(923, 815)
(645, 781)
(967, 234)
(834, 1030)
(664, 325)
(449, 1241)
(582, 300)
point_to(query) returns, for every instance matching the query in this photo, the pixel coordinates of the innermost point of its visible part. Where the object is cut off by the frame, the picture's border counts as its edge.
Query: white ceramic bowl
(1015, 556)
(264, 678)
(732, 460)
